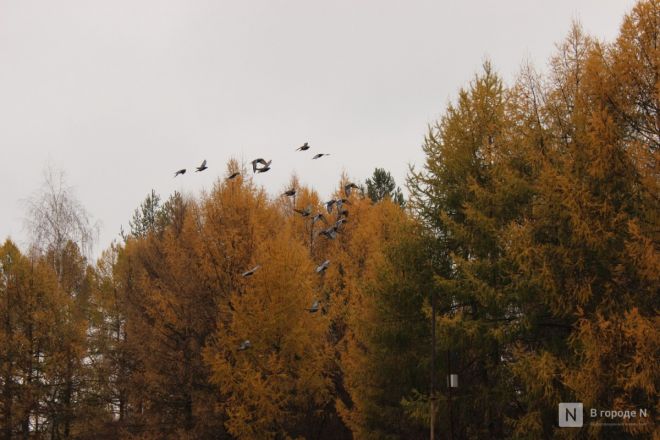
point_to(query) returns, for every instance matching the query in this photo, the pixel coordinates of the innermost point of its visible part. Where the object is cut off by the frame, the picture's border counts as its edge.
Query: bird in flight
(340, 203)
(251, 272)
(303, 147)
(232, 176)
(265, 165)
(330, 233)
(340, 222)
(290, 193)
(329, 204)
(202, 167)
(320, 155)
(315, 307)
(323, 266)
(318, 217)
(181, 171)
(304, 212)
(349, 187)
(244, 345)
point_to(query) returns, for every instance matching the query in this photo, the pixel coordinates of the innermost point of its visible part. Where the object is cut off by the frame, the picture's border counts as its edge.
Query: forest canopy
(533, 225)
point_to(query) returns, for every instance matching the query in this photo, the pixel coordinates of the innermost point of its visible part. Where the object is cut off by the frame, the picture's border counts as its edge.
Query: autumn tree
(586, 249)
(473, 185)
(279, 387)
(31, 307)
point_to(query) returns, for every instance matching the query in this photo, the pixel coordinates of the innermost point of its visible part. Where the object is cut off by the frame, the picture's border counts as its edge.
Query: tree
(146, 216)
(381, 185)
(471, 188)
(585, 251)
(55, 217)
(61, 234)
(280, 386)
(32, 306)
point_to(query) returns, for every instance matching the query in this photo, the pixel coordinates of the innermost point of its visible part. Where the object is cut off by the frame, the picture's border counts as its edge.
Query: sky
(120, 94)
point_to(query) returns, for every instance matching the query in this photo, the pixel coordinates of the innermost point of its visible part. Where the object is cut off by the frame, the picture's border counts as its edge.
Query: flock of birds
(261, 165)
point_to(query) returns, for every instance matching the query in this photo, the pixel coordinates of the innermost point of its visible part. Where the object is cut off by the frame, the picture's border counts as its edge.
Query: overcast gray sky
(119, 94)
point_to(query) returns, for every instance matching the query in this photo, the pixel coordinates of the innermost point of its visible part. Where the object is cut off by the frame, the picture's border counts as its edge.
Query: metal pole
(433, 365)
(451, 422)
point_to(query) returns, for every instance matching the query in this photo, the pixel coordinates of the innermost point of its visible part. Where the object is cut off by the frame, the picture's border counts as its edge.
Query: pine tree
(381, 185)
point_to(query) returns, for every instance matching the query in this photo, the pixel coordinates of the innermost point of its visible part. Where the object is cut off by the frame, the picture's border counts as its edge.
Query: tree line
(533, 222)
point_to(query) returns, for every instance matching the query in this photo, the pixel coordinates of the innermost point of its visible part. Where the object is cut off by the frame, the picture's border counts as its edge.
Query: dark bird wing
(257, 161)
(329, 204)
(318, 217)
(349, 187)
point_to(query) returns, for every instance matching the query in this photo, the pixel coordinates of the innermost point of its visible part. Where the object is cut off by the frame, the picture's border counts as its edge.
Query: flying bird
(232, 176)
(323, 267)
(260, 161)
(330, 233)
(320, 155)
(245, 345)
(290, 193)
(349, 187)
(202, 167)
(305, 212)
(315, 307)
(251, 272)
(318, 217)
(181, 171)
(340, 203)
(329, 204)
(304, 147)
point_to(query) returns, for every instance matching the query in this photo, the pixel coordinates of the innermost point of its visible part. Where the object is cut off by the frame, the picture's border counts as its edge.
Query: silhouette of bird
(304, 147)
(289, 193)
(245, 345)
(264, 168)
(232, 176)
(340, 222)
(329, 204)
(340, 203)
(318, 217)
(315, 307)
(330, 233)
(181, 171)
(349, 187)
(202, 167)
(251, 272)
(323, 266)
(305, 212)
(320, 155)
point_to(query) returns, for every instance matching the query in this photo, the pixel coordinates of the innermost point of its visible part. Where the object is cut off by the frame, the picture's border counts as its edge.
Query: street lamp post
(433, 365)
